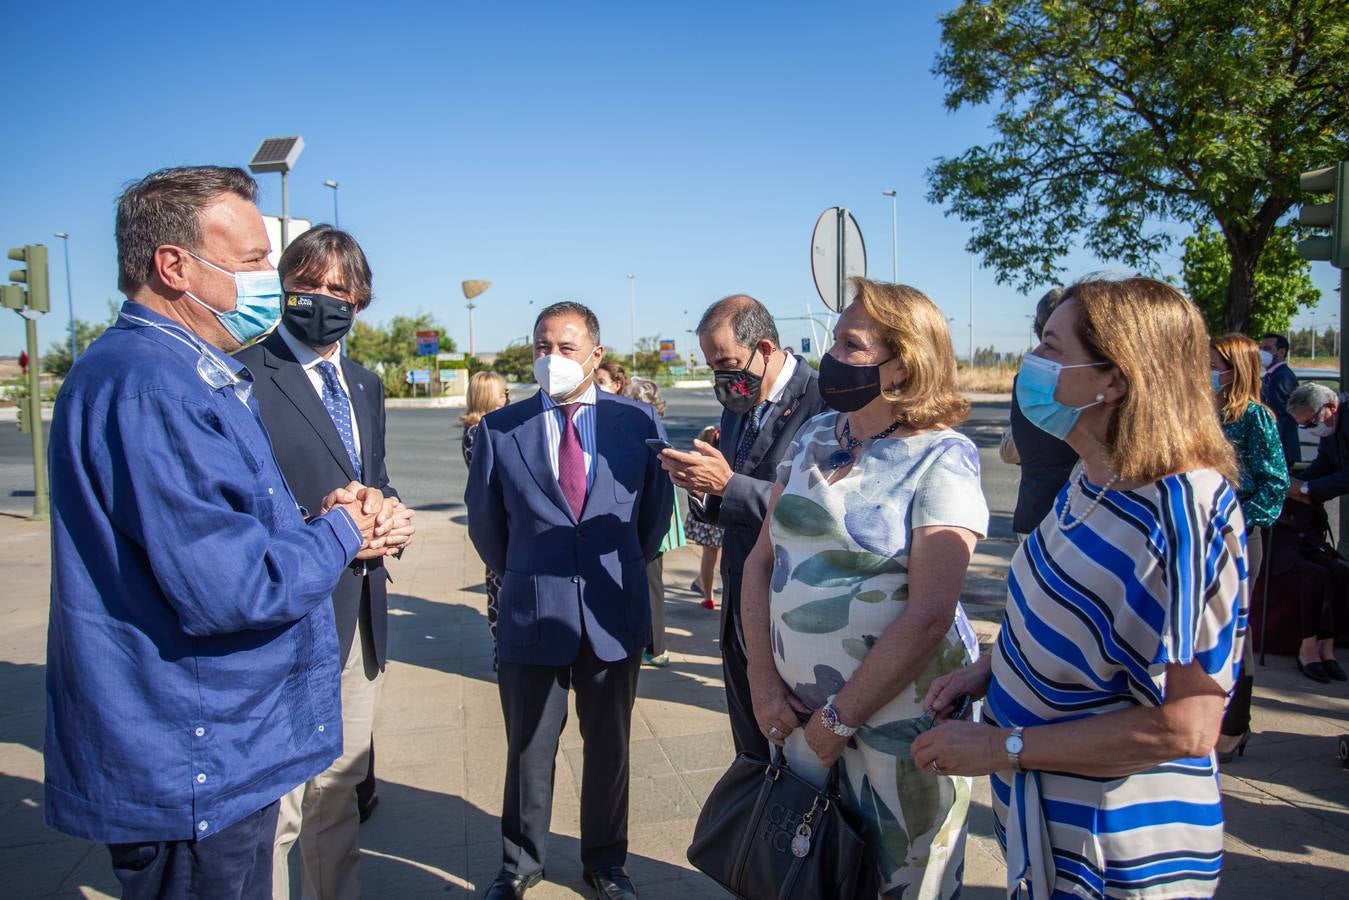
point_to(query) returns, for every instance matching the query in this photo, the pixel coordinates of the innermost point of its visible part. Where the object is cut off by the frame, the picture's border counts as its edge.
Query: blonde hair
(644, 390)
(914, 328)
(483, 388)
(1156, 338)
(1242, 356)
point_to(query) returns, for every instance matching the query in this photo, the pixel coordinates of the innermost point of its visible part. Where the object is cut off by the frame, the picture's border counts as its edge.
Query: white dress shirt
(585, 429)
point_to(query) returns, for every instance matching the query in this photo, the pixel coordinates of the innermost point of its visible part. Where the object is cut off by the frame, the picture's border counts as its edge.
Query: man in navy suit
(568, 503)
(325, 417)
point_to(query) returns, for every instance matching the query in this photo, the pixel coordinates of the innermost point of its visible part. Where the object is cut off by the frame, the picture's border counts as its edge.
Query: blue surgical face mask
(1217, 380)
(1035, 386)
(257, 302)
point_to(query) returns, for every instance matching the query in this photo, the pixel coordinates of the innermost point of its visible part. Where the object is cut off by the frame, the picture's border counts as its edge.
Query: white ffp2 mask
(558, 376)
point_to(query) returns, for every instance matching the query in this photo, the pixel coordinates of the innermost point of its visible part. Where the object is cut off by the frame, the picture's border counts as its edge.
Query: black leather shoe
(368, 807)
(1333, 669)
(511, 887)
(1315, 671)
(611, 883)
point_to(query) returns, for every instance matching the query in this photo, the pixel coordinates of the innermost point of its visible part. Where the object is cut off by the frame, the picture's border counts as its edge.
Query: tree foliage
(56, 361)
(1114, 117)
(1281, 287)
(391, 350)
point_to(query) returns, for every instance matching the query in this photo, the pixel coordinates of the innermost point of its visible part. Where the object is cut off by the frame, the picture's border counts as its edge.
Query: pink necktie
(571, 464)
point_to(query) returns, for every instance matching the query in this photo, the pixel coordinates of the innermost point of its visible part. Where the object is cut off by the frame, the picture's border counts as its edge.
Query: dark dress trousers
(1275, 388)
(740, 511)
(314, 462)
(574, 612)
(1046, 464)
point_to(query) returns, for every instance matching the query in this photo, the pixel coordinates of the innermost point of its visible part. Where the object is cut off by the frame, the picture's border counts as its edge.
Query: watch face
(1014, 743)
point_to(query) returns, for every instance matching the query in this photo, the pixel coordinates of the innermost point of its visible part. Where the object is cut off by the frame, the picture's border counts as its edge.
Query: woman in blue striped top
(1124, 622)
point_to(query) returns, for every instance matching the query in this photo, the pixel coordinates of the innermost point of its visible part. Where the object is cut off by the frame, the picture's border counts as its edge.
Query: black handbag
(765, 833)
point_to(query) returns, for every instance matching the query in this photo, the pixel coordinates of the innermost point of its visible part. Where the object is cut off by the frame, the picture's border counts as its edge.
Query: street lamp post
(70, 296)
(337, 223)
(894, 234)
(632, 303)
(971, 310)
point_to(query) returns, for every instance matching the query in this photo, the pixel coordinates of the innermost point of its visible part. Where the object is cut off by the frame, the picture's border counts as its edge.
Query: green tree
(1115, 116)
(1282, 283)
(516, 363)
(390, 350)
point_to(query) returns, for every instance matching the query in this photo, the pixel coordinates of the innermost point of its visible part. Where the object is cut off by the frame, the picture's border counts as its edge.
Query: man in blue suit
(568, 503)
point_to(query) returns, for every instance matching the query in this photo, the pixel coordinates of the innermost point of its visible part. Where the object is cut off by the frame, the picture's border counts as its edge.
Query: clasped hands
(703, 471)
(384, 522)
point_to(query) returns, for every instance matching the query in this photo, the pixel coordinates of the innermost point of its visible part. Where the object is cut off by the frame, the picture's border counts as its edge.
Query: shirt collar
(179, 338)
(303, 353)
(586, 399)
(784, 378)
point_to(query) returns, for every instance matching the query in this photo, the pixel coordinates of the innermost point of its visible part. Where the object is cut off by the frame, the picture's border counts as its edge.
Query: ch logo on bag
(779, 825)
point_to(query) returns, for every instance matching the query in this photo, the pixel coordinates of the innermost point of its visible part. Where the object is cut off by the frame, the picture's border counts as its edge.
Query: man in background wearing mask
(325, 416)
(1276, 387)
(1316, 409)
(768, 395)
(566, 500)
(192, 667)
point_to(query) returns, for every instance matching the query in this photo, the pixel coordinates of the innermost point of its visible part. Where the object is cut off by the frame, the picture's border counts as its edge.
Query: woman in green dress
(851, 596)
(647, 391)
(1251, 428)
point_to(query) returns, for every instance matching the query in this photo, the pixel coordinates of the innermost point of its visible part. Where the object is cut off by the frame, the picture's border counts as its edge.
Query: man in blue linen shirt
(192, 660)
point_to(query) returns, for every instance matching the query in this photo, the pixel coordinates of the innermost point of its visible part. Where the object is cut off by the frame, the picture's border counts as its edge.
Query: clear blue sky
(549, 148)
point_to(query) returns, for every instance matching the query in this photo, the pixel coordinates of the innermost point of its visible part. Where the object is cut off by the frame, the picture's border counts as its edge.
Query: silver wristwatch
(1014, 745)
(829, 718)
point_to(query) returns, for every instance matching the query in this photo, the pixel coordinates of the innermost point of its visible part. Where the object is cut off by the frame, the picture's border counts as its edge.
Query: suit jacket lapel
(604, 435)
(778, 415)
(532, 439)
(363, 405)
(290, 378)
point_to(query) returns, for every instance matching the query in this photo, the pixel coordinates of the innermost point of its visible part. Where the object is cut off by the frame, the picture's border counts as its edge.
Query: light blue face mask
(1217, 380)
(1035, 386)
(257, 302)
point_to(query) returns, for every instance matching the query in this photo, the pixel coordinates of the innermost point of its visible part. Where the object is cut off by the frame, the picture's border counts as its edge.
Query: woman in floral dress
(851, 597)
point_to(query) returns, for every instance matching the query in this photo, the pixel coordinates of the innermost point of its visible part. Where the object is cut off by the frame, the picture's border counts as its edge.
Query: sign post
(837, 253)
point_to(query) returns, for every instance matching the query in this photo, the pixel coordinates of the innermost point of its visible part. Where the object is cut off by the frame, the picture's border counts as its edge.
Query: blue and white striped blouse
(1154, 576)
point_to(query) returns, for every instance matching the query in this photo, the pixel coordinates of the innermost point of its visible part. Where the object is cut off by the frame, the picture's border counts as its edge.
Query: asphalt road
(426, 464)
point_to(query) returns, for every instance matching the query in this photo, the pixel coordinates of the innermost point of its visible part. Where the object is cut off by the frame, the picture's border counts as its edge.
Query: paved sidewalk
(441, 750)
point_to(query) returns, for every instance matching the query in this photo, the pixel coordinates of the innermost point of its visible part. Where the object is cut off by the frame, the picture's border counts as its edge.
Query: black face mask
(847, 388)
(738, 389)
(317, 319)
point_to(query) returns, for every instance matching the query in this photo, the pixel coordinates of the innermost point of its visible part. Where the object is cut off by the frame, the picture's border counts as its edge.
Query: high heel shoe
(1238, 749)
(1315, 671)
(1333, 669)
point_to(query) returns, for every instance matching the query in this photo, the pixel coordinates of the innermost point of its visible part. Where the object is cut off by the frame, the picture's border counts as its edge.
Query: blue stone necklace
(841, 457)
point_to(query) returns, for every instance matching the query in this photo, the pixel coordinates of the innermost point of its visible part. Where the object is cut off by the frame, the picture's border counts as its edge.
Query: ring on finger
(936, 769)
(774, 731)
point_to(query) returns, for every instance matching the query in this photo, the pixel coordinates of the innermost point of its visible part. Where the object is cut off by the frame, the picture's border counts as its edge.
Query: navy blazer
(562, 578)
(315, 462)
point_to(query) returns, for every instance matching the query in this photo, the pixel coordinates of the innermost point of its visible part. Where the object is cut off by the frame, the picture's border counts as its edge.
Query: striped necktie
(752, 427)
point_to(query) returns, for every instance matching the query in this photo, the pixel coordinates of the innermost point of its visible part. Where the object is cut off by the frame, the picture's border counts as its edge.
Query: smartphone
(656, 445)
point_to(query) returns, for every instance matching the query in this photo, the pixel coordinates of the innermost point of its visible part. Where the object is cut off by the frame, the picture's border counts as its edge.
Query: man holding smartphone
(768, 395)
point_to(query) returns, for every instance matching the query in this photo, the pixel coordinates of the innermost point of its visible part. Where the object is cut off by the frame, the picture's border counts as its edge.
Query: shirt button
(201, 778)
(576, 579)
(203, 825)
(199, 732)
(271, 490)
(322, 727)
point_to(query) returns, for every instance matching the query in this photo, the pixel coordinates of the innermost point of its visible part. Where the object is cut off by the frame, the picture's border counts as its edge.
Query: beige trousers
(322, 812)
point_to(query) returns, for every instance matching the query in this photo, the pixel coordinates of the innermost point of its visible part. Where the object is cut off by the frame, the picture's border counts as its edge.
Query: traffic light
(1334, 215)
(34, 275)
(11, 296)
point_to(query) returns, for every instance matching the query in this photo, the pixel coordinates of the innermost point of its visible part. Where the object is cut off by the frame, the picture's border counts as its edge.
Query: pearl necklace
(1073, 492)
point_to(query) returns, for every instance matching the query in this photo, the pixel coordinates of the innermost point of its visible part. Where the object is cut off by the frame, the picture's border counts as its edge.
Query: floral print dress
(840, 578)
